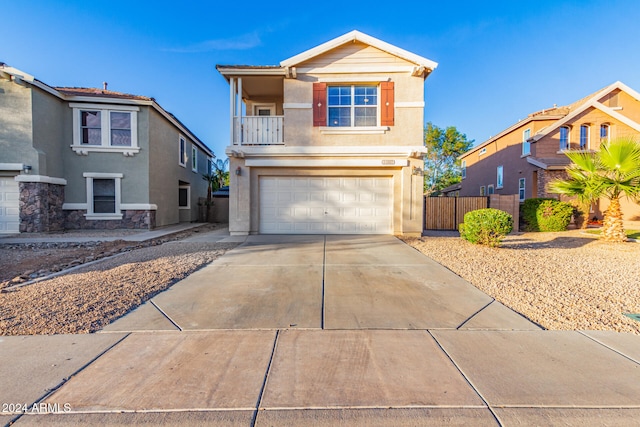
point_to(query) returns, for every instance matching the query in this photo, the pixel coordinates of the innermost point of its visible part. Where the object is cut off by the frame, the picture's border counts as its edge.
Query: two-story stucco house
(93, 158)
(328, 142)
(525, 157)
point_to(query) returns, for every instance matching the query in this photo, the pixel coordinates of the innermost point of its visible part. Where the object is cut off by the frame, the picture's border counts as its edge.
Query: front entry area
(326, 205)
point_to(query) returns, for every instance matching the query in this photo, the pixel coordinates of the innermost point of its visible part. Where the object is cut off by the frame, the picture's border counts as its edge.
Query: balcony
(258, 130)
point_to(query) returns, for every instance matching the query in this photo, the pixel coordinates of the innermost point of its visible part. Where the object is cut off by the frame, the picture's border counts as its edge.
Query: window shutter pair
(320, 104)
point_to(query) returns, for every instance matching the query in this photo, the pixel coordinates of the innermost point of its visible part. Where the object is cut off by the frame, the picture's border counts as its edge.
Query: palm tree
(612, 172)
(222, 175)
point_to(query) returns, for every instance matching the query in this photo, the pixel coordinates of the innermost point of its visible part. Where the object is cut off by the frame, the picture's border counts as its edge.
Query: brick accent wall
(545, 177)
(132, 219)
(41, 207)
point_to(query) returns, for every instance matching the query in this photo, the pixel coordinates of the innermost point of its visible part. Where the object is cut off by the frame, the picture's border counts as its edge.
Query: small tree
(612, 172)
(441, 164)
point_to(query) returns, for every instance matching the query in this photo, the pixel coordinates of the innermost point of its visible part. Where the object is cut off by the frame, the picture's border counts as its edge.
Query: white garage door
(9, 206)
(317, 205)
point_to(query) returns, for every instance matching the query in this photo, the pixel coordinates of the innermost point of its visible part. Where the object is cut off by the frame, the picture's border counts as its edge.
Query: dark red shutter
(319, 104)
(387, 115)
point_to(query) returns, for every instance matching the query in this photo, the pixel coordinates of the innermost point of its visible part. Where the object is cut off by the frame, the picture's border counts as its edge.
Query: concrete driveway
(326, 330)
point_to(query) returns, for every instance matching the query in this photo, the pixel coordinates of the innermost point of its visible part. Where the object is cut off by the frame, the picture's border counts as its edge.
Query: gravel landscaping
(90, 297)
(566, 280)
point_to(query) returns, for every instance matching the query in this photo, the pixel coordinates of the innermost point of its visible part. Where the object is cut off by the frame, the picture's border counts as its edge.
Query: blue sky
(498, 60)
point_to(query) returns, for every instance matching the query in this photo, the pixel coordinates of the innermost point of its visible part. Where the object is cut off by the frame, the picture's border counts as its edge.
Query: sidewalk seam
(467, 379)
(266, 378)
(166, 315)
(609, 347)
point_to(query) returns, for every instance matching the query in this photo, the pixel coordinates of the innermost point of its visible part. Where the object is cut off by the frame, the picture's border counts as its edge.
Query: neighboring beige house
(328, 142)
(525, 157)
(93, 159)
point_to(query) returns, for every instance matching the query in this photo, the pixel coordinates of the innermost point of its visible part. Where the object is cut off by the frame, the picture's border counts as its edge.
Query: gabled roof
(593, 100)
(363, 38)
(562, 115)
(79, 94)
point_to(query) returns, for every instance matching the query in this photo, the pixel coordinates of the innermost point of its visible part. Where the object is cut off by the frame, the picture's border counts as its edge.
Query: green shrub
(546, 214)
(486, 226)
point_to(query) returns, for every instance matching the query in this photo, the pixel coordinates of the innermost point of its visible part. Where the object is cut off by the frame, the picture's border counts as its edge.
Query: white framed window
(352, 106)
(182, 151)
(605, 132)
(105, 128)
(584, 137)
(194, 158)
(521, 186)
(490, 189)
(184, 197)
(483, 190)
(564, 138)
(103, 195)
(463, 168)
(526, 145)
(499, 176)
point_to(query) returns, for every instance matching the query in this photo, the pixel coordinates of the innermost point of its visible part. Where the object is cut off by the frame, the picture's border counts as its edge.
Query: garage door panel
(9, 205)
(333, 205)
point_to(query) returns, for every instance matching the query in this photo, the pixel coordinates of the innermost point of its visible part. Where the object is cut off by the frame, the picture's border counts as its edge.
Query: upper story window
(353, 108)
(584, 137)
(352, 105)
(564, 138)
(526, 145)
(463, 167)
(605, 133)
(194, 158)
(482, 151)
(182, 151)
(105, 128)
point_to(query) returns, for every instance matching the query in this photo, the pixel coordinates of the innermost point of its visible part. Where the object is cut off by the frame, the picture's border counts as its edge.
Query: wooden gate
(445, 213)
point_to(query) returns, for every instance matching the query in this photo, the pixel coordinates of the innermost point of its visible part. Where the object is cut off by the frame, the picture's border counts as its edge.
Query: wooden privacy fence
(445, 213)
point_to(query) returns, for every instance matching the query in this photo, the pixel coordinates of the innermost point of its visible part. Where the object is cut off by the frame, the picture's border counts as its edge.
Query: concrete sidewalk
(323, 330)
(109, 235)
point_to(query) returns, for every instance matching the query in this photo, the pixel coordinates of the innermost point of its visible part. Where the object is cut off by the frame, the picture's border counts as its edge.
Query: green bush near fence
(546, 214)
(486, 226)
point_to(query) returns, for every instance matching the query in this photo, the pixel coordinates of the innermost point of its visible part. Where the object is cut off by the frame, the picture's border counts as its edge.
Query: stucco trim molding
(84, 150)
(41, 178)
(138, 207)
(323, 163)
(328, 151)
(14, 166)
(328, 130)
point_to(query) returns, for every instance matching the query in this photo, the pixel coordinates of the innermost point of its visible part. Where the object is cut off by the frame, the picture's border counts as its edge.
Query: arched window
(605, 132)
(564, 138)
(584, 137)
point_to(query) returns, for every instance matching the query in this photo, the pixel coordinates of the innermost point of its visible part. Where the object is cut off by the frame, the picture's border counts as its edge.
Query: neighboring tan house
(328, 142)
(525, 157)
(79, 158)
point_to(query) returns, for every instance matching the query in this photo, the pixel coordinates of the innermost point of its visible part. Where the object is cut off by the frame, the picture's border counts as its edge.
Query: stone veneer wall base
(41, 207)
(131, 219)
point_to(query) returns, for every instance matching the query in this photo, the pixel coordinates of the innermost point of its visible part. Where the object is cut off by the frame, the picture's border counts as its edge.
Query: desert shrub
(546, 214)
(486, 226)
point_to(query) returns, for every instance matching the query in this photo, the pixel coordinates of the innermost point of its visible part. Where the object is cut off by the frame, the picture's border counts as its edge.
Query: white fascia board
(364, 38)
(624, 119)
(328, 163)
(41, 178)
(233, 71)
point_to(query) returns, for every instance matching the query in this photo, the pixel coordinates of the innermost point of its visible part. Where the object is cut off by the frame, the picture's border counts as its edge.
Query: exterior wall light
(238, 171)
(417, 171)
(26, 169)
